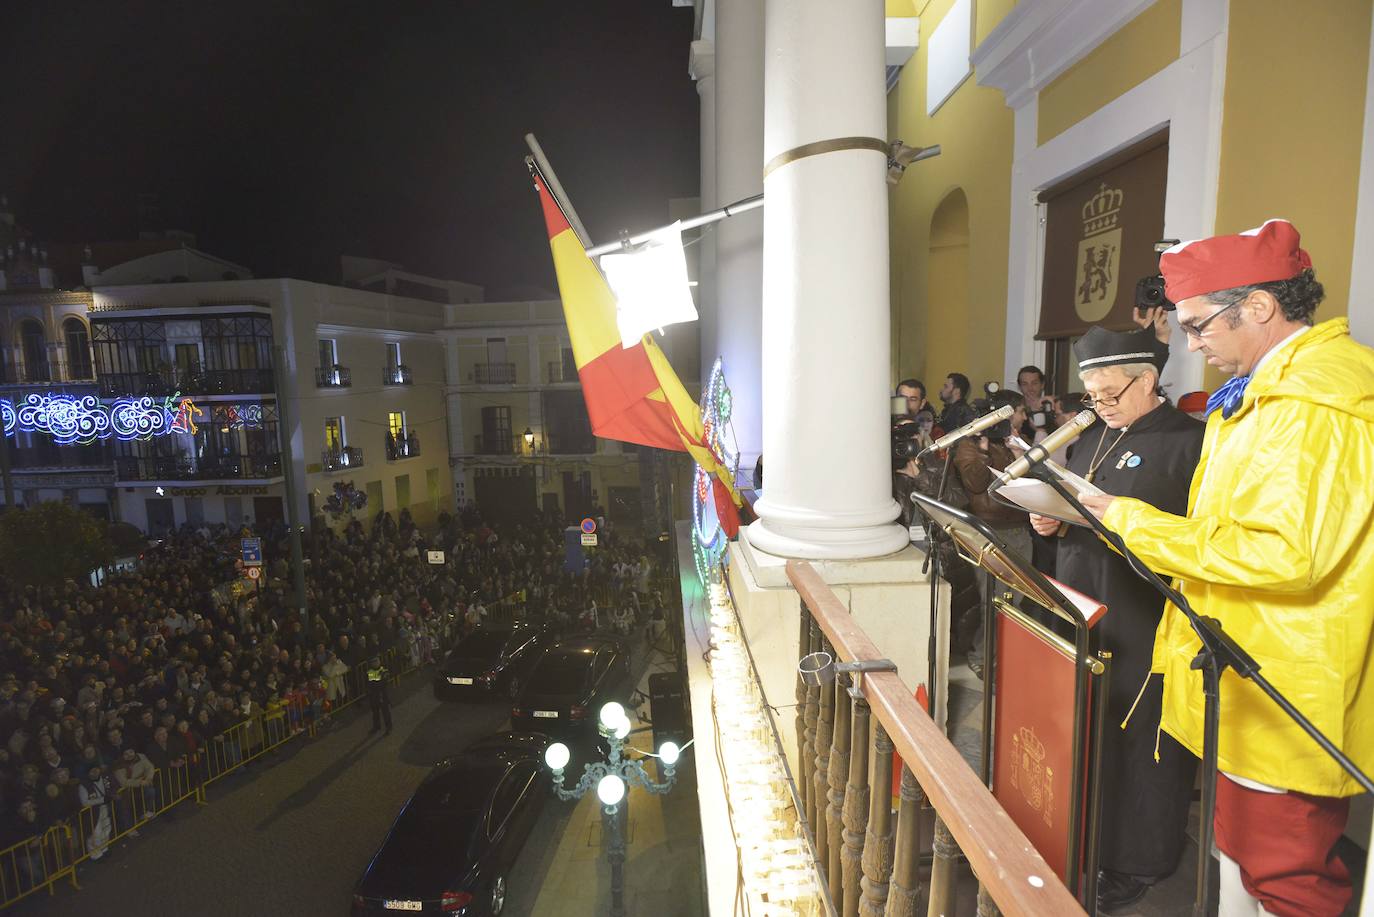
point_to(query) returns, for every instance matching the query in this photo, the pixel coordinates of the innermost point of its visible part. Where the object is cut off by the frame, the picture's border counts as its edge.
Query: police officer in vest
(377, 696)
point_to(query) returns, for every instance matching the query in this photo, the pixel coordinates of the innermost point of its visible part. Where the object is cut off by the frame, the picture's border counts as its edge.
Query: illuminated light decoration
(139, 418)
(184, 416)
(776, 862)
(708, 536)
(84, 419)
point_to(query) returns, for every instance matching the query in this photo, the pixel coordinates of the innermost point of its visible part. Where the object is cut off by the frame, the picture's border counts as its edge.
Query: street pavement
(294, 833)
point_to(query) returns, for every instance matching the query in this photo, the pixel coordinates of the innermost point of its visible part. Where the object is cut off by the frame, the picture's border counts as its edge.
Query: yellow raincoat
(1278, 546)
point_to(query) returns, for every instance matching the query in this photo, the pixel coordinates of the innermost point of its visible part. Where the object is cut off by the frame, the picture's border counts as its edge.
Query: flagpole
(743, 205)
(541, 163)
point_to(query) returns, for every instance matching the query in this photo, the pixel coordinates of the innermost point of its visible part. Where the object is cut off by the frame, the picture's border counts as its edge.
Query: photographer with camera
(977, 461)
(1040, 411)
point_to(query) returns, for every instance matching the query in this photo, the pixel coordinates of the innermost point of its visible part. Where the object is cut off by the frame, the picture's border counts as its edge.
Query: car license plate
(454, 680)
(546, 714)
(403, 905)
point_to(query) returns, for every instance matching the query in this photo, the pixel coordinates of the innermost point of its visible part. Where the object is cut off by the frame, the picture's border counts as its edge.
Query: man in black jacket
(1143, 448)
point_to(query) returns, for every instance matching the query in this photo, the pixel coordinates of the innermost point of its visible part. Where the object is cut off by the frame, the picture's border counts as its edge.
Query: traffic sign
(588, 525)
(254, 572)
(589, 540)
(252, 552)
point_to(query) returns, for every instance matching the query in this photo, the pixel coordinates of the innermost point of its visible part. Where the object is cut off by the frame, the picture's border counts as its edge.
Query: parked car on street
(567, 687)
(490, 662)
(451, 848)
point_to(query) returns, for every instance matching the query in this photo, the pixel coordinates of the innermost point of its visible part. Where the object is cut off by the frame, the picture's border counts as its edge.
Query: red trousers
(1283, 844)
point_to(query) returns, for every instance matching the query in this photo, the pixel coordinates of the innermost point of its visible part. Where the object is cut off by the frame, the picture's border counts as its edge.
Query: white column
(739, 240)
(827, 475)
(702, 66)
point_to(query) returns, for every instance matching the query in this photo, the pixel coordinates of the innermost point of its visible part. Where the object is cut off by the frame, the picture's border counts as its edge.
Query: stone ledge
(770, 571)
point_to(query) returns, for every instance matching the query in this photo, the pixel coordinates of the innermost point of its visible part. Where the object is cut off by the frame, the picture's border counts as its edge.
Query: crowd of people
(112, 694)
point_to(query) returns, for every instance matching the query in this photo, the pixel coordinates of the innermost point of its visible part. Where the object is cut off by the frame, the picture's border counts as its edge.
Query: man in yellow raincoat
(1277, 545)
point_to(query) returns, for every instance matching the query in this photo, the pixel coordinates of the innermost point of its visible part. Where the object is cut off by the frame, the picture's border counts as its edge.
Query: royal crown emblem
(1099, 254)
(1030, 774)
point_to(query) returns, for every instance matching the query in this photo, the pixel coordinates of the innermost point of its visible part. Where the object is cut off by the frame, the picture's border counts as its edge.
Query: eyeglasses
(1109, 402)
(1194, 329)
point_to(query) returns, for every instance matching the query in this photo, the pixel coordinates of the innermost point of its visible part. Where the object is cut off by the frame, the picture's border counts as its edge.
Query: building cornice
(1040, 39)
(326, 328)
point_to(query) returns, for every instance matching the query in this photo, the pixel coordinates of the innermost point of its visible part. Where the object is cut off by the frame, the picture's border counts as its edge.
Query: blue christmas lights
(83, 419)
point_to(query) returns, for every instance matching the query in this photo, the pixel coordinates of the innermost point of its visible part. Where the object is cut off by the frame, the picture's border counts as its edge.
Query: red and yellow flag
(632, 393)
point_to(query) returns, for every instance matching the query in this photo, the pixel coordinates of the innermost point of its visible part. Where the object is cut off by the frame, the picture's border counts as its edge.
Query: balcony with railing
(404, 446)
(558, 372)
(854, 849)
(493, 373)
(344, 459)
(397, 375)
(571, 444)
(186, 468)
(335, 376)
(496, 444)
(188, 380)
(46, 372)
(44, 454)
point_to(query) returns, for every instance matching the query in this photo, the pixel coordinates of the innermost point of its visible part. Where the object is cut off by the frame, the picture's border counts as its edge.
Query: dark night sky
(286, 133)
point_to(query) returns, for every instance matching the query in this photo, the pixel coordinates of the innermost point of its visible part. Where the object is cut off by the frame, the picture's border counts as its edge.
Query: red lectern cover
(1033, 735)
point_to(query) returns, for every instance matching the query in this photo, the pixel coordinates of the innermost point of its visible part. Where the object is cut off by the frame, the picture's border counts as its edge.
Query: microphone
(1052, 443)
(968, 429)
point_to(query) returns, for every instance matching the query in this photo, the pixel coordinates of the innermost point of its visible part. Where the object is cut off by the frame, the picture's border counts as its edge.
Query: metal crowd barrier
(38, 863)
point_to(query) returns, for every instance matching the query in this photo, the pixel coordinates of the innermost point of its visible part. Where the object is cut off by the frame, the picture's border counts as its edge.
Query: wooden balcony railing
(870, 864)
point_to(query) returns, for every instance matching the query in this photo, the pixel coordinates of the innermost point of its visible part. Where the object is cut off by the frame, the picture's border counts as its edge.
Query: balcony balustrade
(344, 459)
(397, 375)
(184, 468)
(493, 373)
(869, 863)
(402, 447)
(188, 380)
(335, 376)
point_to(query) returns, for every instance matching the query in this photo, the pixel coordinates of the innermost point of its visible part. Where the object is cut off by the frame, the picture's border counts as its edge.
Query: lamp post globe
(556, 756)
(612, 714)
(610, 790)
(668, 753)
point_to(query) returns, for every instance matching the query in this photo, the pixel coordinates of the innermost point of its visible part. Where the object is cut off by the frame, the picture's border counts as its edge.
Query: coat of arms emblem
(1030, 774)
(1099, 255)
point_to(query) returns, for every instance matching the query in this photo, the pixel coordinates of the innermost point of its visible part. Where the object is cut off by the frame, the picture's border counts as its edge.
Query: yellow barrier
(39, 862)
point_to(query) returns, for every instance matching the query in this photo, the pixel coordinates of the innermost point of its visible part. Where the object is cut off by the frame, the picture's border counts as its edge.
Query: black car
(490, 661)
(566, 688)
(451, 848)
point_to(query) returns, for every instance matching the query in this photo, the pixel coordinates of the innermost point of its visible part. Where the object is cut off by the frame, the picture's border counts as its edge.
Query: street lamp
(529, 438)
(612, 778)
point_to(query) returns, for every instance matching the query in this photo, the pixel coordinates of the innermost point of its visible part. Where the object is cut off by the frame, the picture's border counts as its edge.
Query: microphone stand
(1218, 653)
(932, 566)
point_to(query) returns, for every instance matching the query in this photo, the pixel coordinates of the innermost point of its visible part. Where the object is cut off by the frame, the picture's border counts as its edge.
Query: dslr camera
(1149, 291)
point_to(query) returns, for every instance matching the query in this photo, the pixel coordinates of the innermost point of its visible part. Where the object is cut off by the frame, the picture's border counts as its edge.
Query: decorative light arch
(83, 419)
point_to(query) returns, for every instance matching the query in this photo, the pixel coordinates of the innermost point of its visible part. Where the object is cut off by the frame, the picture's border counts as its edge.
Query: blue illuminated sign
(82, 419)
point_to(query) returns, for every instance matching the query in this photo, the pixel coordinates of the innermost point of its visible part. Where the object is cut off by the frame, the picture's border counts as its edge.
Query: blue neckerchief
(1228, 397)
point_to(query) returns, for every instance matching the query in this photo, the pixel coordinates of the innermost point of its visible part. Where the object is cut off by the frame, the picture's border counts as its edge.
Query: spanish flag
(632, 393)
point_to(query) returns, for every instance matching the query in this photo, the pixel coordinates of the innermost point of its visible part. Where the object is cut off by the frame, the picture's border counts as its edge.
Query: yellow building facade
(1264, 107)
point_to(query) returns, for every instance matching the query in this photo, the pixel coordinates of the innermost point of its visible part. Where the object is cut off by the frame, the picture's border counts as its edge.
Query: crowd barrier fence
(42, 861)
